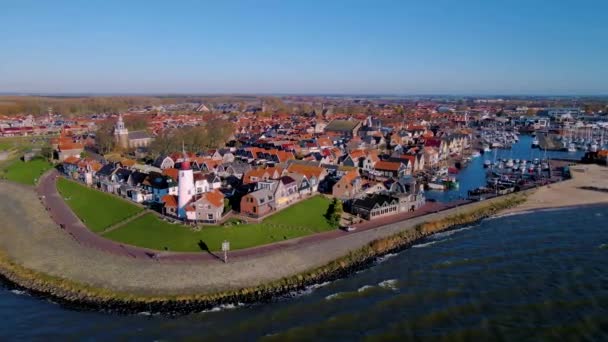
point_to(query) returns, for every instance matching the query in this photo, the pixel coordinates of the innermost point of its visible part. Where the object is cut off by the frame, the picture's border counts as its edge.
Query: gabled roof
(215, 197)
(387, 165)
(169, 201)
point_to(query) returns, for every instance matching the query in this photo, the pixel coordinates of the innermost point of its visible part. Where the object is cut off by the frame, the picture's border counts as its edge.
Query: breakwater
(81, 296)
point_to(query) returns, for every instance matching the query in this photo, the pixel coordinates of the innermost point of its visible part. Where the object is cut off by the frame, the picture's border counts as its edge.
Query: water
(523, 277)
(473, 175)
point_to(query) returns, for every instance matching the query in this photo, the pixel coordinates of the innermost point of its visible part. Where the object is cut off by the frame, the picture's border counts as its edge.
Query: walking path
(123, 222)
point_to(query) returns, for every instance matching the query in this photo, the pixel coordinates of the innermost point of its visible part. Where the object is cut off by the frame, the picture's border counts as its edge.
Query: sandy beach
(569, 193)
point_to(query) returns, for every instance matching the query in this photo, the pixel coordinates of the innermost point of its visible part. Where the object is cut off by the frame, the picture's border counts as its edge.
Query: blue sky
(363, 47)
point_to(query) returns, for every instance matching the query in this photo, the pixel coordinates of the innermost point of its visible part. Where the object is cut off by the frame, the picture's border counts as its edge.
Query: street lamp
(225, 249)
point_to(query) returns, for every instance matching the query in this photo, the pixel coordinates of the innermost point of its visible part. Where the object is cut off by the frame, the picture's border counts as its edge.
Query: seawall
(93, 296)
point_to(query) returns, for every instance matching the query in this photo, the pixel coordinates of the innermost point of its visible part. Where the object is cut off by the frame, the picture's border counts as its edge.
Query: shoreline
(261, 279)
(82, 297)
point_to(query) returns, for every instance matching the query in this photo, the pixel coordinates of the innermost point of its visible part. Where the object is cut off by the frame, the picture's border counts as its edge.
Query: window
(254, 209)
(210, 216)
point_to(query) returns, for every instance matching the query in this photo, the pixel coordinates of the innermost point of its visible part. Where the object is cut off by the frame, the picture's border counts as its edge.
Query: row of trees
(214, 134)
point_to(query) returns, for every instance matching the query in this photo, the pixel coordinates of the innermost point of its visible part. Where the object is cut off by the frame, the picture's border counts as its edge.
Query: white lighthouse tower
(185, 186)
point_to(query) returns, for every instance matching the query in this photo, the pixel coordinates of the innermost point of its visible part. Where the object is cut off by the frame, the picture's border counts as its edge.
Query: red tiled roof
(387, 165)
(170, 200)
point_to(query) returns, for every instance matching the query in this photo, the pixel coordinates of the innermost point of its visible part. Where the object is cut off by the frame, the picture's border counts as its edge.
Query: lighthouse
(185, 186)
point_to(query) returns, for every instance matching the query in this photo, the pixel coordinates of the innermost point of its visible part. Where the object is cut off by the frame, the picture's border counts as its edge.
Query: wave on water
(310, 289)
(390, 284)
(19, 292)
(385, 257)
(333, 296)
(604, 246)
(365, 288)
(430, 243)
(223, 307)
(449, 232)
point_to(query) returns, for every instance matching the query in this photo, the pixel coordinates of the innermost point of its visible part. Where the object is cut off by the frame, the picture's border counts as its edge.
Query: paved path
(123, 222)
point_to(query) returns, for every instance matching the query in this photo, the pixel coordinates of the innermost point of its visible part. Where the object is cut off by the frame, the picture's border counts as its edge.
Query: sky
(485, 47)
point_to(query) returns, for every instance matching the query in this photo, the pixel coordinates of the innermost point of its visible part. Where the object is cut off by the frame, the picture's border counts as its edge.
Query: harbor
(476, 173)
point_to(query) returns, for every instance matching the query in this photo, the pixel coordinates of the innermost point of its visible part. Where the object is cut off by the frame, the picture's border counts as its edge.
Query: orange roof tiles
(387, 165)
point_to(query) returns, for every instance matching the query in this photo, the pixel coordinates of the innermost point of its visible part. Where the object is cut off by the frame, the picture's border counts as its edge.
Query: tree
(104, 137)
(334, 212)
(46, 152)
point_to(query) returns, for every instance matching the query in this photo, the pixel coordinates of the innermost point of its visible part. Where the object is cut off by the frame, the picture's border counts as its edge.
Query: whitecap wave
(365, 288)
(388, 284)
(229, 306)
(19, 292)
(426, 244)
(386, 257)
(333, 296)
(449, 232)
(309, 289)
(144, 313)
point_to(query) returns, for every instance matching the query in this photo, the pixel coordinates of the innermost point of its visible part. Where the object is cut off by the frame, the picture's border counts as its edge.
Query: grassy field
(149, 231)
(26, 172)
(96, 209)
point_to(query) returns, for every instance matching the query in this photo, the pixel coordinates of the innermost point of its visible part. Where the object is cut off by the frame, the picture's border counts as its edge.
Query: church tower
(185, 186)
(121, 133)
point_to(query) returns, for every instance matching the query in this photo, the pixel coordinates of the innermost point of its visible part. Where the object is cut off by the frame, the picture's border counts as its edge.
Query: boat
(571, 147)
(487, 163)
(475, 154)
(535, 142)
(486, 148)
(593, 147)
(435, 186)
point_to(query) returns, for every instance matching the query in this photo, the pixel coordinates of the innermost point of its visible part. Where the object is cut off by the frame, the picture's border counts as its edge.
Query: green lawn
(302, 219)
(96, 209)
(26, 172)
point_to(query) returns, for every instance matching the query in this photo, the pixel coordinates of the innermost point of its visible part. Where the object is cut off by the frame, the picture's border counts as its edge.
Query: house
(348, 186)
(164, 162)
(314, 174)
(431, 156)
(408, 193)
(370, 160)
(345, 128)
(257, 203)
(354, 158)
(390, 169)
(170, 205)
(375, 206)
(235, 168)
(302, 182)
(70, 166)
(208, 208)
(223, 155)
(260, 174)
(159, 185)
(285, 191)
